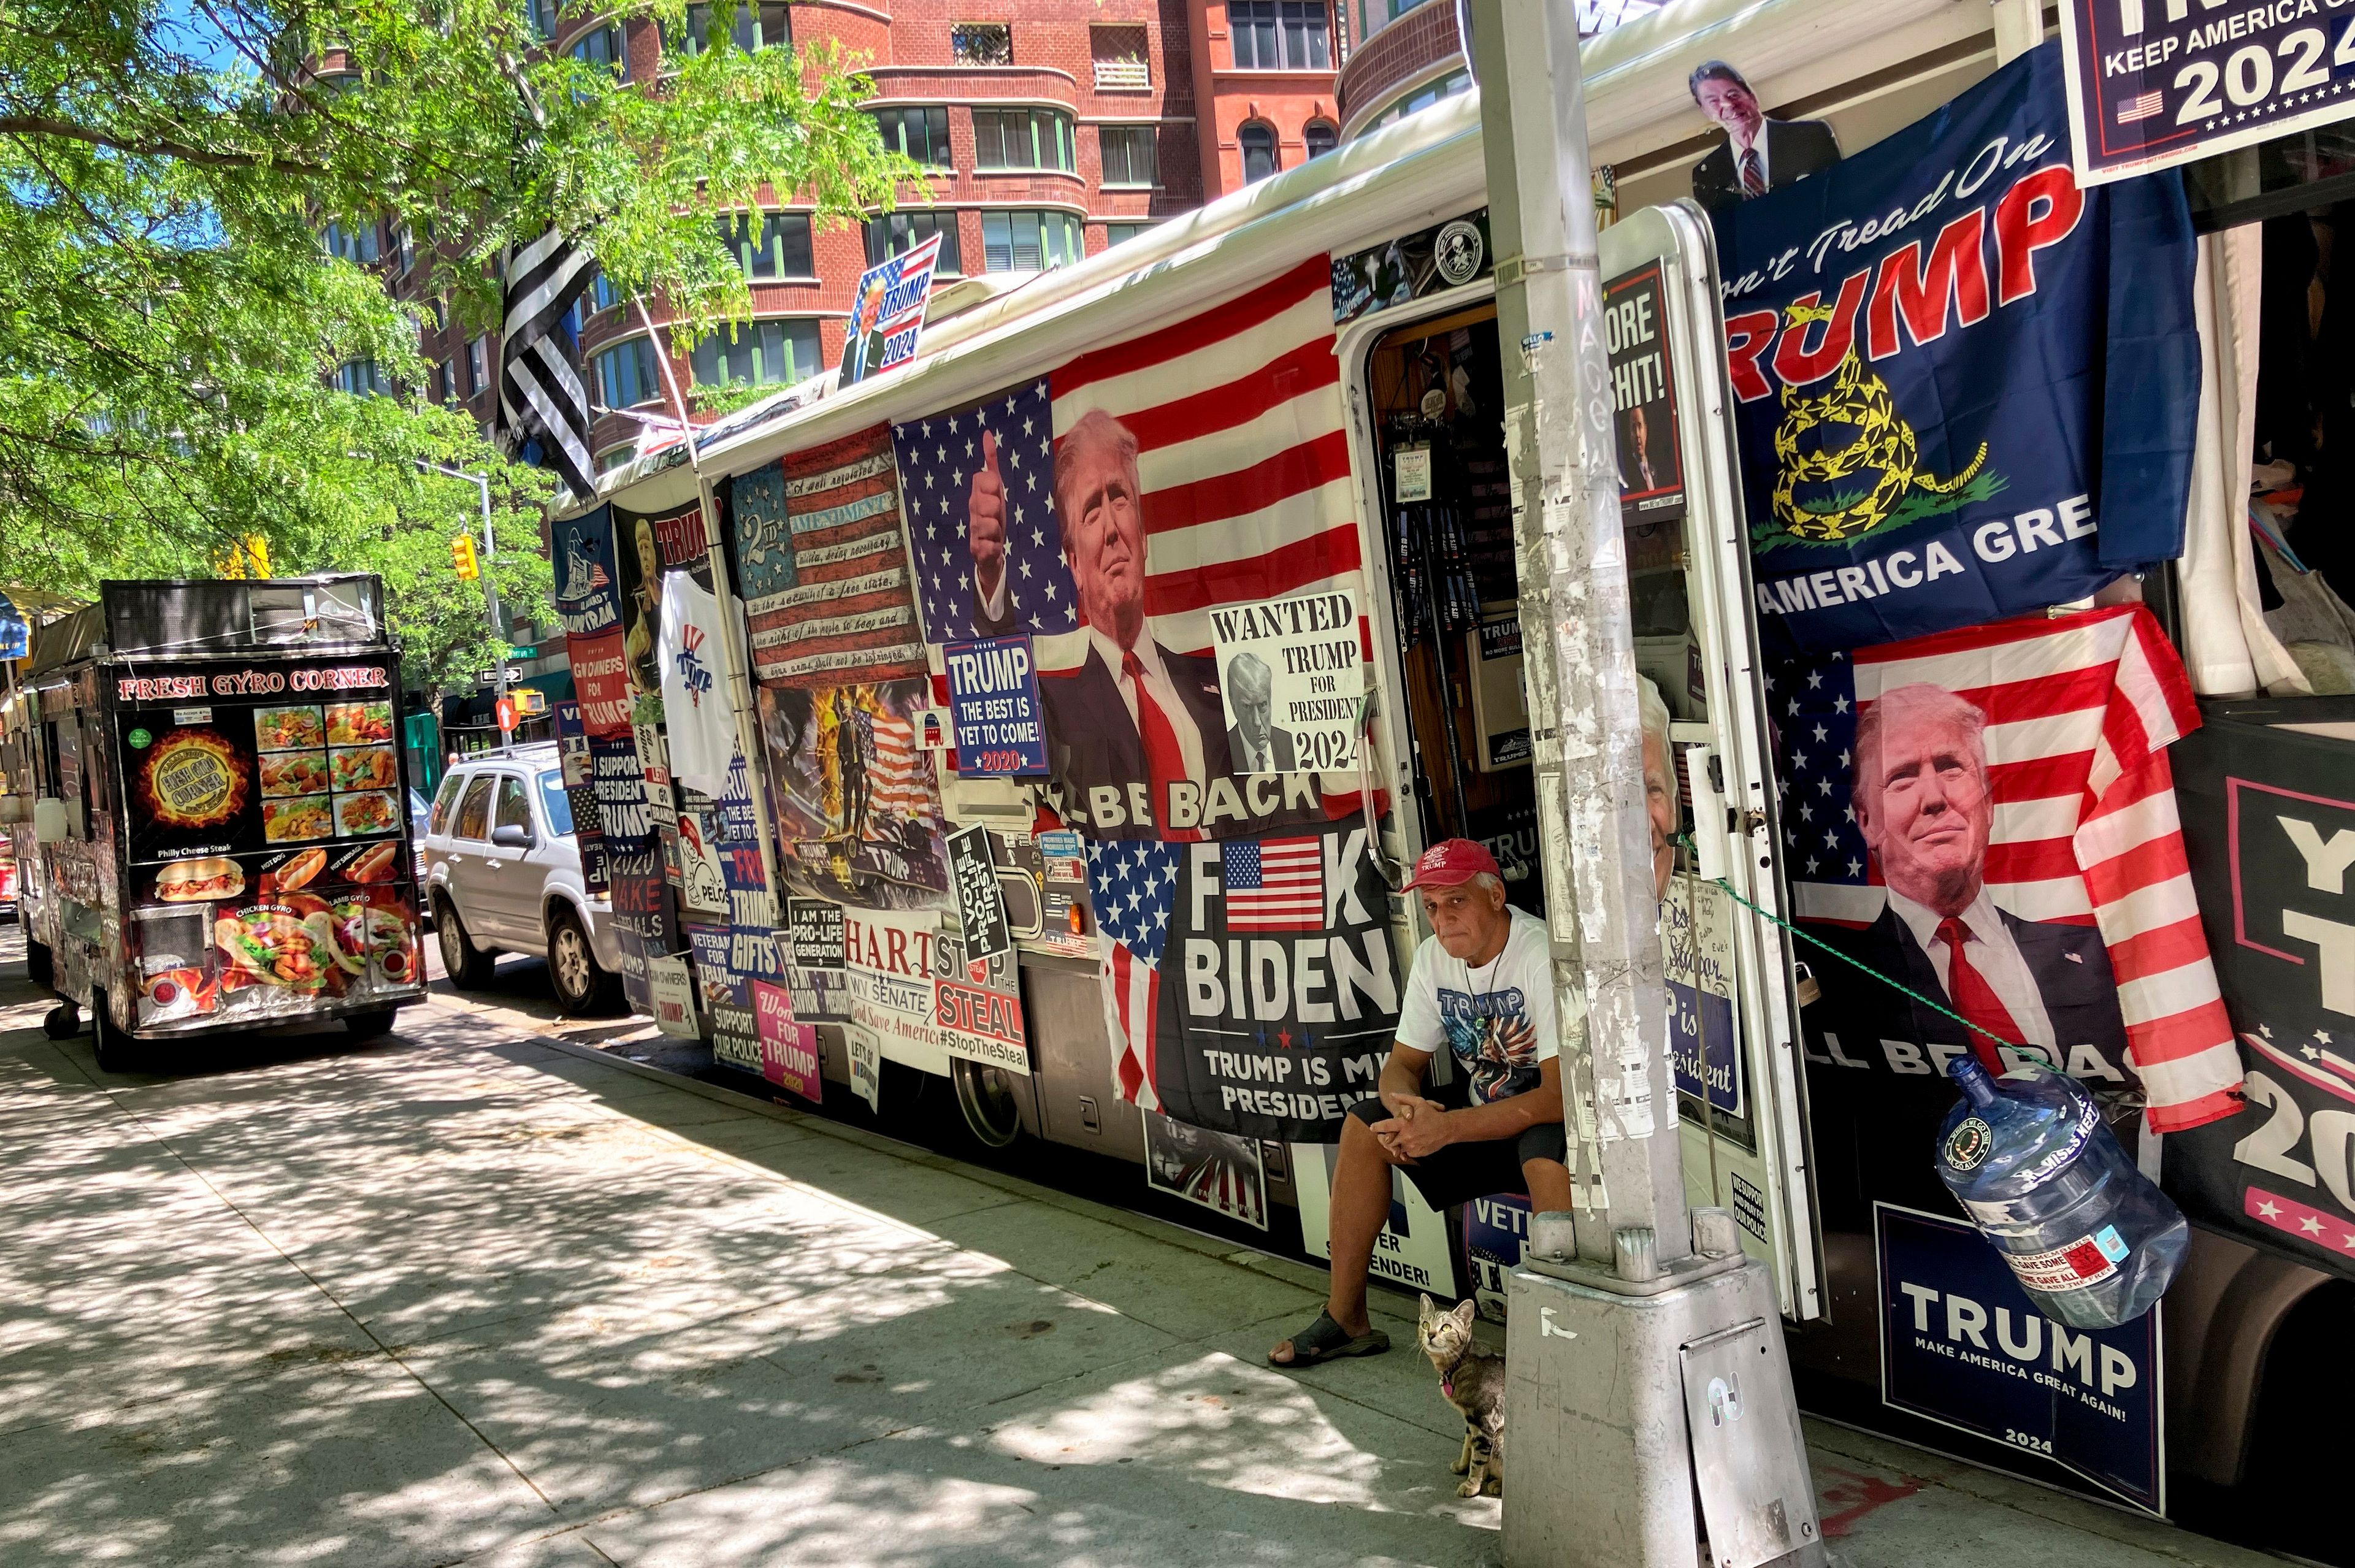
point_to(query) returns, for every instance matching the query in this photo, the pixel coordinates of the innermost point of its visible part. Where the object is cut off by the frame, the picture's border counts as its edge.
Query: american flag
(1131, 883)
(2080, 711)
(899, 781)
(938, 458)
(826, 581)
(1274, 884)
(2148, 106)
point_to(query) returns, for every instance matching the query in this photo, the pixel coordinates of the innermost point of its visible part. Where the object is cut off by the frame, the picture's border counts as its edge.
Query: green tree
(175, 322)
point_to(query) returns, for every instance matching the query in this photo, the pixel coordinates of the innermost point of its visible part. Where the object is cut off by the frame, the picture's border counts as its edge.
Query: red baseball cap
(1451, 863)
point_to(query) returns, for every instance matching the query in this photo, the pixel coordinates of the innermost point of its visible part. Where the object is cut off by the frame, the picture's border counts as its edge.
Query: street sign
(514, 652)
(2152, 86)
(491, 676)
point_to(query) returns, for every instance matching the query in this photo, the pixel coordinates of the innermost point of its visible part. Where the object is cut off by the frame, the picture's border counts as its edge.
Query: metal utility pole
(1648, 1389)
(490, 589)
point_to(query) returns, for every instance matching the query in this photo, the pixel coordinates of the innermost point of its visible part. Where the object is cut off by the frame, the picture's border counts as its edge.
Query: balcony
(1123, 76)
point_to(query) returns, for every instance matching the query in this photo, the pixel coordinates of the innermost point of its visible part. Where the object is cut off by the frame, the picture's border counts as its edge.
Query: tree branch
(28, 125)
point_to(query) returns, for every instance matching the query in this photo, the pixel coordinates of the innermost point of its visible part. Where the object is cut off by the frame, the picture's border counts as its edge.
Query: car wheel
(468, 968)
(581, 981)
(117, 1051)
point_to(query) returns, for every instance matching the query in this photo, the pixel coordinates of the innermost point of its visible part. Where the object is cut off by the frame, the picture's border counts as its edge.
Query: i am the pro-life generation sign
(2154, 84)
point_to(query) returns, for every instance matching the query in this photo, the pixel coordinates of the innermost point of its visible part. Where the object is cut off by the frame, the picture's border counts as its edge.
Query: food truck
(1006, 807)
(213, 781)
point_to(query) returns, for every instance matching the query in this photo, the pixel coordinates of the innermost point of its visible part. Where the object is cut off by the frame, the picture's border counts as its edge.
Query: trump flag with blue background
(1964, 388)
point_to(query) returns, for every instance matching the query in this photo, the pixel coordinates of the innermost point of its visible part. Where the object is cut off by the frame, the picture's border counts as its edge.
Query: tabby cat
(1472, 1377)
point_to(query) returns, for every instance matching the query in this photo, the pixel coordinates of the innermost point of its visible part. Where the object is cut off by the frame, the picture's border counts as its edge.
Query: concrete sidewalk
(473, 1297)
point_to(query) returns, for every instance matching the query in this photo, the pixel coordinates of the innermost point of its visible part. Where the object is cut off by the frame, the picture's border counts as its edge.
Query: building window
(627, 375)
(361, 377)
(1128, 153)
(780, 247)
(1257, 144)
(761, 353)
(602, 46)
(896, 233)
(982, 43)
(1422, 97)
(1023, 139)
(478, 365)
(543, 18)
(356, 244)
(1280, 34)
(1118, 53)
(602, 294)
(919, 130)
(405, 246)
(1320, 136)
(1029, 242)
(757, 27)
(613, 457)
(1121, 233)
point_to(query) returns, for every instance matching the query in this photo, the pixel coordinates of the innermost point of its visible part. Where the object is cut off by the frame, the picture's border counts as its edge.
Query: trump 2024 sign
(2154, 84)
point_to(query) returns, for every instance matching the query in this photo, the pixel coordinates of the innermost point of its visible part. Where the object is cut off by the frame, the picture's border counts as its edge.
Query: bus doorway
(1434, 392)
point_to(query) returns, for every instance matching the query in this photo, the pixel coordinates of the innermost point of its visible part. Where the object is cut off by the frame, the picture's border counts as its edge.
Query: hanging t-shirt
(702, 732)
(1495, 1018)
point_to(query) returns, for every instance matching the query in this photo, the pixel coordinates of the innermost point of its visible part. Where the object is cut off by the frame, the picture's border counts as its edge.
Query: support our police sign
(2154, 84)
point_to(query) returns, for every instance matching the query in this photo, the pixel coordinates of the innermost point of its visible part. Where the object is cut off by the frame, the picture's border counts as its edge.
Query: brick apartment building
(1050, 129)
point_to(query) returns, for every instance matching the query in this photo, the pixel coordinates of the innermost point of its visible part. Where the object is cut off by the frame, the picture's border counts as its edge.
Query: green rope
(1809, 937)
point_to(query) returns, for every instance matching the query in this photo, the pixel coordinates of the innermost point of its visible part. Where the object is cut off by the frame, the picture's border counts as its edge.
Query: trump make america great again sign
(1958, 376)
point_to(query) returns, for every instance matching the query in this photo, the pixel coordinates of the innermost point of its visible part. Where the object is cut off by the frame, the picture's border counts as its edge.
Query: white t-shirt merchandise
(695, 708)
(1497, 1018)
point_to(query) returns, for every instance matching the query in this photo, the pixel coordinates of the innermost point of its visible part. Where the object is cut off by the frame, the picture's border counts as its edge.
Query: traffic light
(462, 557)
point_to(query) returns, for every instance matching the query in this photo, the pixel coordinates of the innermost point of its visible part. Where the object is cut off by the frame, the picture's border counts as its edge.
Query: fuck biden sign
(1965, 387)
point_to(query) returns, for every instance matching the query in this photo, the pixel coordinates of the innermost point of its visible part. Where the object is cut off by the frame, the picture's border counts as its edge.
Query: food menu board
(268, 868)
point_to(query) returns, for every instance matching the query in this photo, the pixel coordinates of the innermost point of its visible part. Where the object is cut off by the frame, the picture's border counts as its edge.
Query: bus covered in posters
(219, 813)
(1254, 464)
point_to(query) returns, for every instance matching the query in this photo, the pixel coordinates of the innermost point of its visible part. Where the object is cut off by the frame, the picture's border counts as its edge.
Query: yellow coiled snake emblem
(1884, 443)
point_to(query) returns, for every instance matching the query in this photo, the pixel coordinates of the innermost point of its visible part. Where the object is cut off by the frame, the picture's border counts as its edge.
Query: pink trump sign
(788, 1049)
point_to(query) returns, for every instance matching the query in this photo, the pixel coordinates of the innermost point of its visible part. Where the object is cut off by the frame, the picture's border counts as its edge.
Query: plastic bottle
(2092, 1240)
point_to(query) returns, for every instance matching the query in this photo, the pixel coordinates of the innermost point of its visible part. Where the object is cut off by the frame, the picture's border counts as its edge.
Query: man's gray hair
(1714, 70)
(1247, 668)
(1487, 879)
(1656, 714)
(1094, 429)
(1922, 699)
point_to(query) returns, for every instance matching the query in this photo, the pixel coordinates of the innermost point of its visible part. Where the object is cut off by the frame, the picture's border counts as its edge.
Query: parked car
(502, 875)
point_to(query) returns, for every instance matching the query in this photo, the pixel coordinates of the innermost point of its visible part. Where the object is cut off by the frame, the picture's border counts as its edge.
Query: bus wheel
(987, 1096)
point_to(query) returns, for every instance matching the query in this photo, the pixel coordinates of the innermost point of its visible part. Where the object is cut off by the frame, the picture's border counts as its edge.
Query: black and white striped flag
(540, 390)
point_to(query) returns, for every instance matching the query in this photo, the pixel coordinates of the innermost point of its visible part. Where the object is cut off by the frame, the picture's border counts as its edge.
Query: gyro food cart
(219, 809)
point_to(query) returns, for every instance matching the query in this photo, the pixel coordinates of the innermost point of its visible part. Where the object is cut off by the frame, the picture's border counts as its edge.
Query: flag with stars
(1011, 435)
(1132, 884)
(2079, 710)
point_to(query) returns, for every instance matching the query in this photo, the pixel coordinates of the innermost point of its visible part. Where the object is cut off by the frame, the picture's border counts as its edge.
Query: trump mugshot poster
(1956, 374)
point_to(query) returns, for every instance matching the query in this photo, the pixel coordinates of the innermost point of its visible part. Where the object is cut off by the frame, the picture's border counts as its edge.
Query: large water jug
(2092, 1240)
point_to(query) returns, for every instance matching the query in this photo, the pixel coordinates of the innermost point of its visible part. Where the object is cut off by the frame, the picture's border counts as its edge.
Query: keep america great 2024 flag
(1964, 388)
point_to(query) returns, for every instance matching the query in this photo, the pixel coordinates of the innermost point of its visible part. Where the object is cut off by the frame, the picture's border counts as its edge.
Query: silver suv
(502, 874)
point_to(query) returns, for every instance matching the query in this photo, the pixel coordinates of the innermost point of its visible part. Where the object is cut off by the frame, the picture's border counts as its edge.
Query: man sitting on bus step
(1482, 985)
(1482, 988)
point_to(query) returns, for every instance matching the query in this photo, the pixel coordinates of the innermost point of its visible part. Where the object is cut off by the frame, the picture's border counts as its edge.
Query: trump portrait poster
(1956, 374)
(1987, 819)
(1113, 509)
